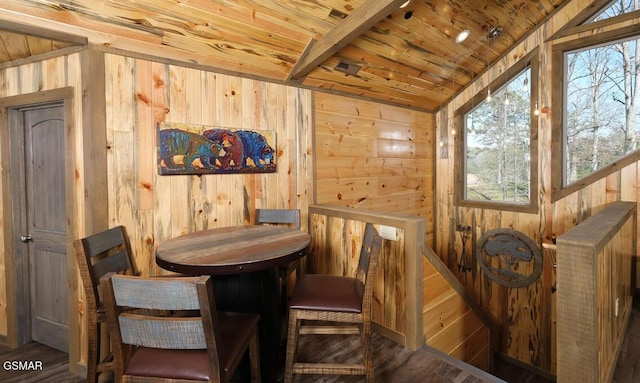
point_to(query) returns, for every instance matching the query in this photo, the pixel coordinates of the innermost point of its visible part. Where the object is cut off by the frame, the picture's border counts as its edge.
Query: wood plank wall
(366, 155)
(595, 293)
(416, 298)
(336, 233)
(336, 250)
(156, 208)
(524, 316)
(24, 85)
(122, 135)
(374, 156)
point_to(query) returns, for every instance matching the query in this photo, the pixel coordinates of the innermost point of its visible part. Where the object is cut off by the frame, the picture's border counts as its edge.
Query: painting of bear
(200, 149)
(232, 144)
(185, 150)
(256, 148)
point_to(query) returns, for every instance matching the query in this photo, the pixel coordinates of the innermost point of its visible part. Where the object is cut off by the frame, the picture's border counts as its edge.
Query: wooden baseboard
(524, 366)
(389, 334)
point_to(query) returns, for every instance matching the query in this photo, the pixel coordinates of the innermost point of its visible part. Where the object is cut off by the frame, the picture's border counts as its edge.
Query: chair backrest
(152, 327)
(278, 216)
(368, 265)
(99, 254)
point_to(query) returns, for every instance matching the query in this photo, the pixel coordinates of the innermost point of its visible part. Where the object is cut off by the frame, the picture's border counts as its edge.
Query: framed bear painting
(201, 149)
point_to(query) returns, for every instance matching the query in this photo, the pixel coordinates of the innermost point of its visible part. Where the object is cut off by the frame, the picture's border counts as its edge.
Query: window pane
(498, 139)
(616, 8)
(601, 115)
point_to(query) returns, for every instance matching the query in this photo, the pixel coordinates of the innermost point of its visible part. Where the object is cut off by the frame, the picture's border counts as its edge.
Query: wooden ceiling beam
(31, 30)
(358, 22)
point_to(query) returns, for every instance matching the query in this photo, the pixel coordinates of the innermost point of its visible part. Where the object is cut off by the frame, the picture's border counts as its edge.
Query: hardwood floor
(393, 362)
(55, 365)
(628, 366)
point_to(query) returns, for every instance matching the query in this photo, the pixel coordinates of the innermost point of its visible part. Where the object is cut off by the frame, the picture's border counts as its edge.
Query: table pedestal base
(256, 292)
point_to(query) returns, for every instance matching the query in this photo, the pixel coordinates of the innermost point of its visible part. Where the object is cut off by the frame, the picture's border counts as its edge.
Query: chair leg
(367, 352)
(93, 352)
(254, 358)
(292, 345)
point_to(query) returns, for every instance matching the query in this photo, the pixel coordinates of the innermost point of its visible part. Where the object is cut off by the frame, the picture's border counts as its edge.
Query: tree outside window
(601, 107)
(498, 147)
(598, 102)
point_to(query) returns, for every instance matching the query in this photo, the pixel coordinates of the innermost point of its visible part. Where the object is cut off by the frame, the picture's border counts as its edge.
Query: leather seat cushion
(326, 293)
(235, 332)
(176, 364)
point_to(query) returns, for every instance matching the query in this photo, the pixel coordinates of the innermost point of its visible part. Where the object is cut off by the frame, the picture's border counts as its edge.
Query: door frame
(13, 211)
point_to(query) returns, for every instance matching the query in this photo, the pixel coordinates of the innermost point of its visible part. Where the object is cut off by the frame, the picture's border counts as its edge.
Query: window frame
(531, 60)
(582, 22)
(558, 115)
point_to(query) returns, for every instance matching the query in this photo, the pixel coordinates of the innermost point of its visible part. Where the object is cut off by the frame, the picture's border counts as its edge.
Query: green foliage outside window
(498, 145)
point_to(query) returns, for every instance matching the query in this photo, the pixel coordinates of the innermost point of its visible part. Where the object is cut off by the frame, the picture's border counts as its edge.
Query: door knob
(26, 238)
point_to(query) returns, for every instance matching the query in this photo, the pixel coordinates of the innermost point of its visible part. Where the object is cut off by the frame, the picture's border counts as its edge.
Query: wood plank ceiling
(371, 49)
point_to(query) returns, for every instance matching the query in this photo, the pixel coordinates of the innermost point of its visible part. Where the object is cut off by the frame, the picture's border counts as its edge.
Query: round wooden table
(232, 250)
(244, 262)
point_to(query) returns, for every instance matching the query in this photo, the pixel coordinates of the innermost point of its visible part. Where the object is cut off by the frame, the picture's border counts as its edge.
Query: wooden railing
(594, 293)
(416, 299)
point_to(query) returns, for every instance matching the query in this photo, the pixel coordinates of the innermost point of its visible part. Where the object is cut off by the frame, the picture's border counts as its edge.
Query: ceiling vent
(351, 69)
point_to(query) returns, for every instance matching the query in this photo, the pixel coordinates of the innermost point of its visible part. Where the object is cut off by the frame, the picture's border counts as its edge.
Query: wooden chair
(205, 345)
(289, 217)
(278, 216)
(325, 301)
(98, 254)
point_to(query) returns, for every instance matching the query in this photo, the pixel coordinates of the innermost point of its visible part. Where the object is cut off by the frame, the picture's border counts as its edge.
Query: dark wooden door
(46, 223)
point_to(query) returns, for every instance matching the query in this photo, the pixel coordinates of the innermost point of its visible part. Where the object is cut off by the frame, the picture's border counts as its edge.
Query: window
(598, 126)
(615, 8)
(596, 129)
(497, 144)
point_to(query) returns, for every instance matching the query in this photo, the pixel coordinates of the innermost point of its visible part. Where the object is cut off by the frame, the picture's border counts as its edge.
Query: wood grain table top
(232, 250)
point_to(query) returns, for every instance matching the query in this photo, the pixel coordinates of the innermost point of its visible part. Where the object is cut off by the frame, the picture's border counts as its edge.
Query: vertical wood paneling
(336, 242)
(144, 169)
(55, 79)
(441, 313)
(10, 84)
(134, 97)
(186, 203)
(525, 315)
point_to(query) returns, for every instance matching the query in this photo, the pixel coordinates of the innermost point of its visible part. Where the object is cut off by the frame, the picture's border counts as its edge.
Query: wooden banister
(594, 292)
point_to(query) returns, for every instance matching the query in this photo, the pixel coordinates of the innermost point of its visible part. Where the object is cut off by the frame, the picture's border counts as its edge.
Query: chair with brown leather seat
(278, 216)
(96, 255)
(326, 302)
(205, 345)
(289, 217)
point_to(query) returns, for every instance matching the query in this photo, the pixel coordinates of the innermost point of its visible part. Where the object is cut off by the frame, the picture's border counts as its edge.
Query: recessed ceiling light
(462, 36)
(405, 4)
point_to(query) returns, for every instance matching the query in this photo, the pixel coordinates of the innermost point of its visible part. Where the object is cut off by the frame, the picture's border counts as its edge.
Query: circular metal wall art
(509, 257)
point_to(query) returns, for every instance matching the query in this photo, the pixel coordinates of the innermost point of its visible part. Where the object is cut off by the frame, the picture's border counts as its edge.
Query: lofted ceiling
(370, 49)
